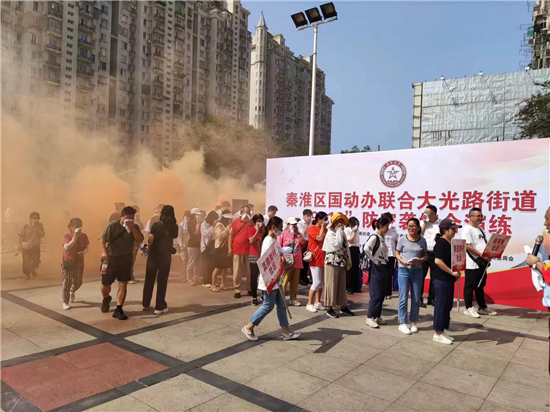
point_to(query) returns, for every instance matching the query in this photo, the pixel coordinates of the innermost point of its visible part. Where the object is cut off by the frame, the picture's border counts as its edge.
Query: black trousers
(471, 280)
(254, 273)
(157, 268)
(353, 273)
(377, 289)
(391, 271)
(429, 264)
(305, 270)
(444, 293)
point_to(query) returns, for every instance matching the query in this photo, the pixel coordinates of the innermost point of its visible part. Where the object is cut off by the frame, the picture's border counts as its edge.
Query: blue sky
(376, 50)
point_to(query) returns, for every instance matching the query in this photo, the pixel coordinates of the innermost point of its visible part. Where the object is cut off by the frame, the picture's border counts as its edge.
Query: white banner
(509, 181)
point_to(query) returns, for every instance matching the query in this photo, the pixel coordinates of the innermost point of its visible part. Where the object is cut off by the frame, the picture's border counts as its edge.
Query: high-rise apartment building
(538, 36)
(137, 71)
(280, 90)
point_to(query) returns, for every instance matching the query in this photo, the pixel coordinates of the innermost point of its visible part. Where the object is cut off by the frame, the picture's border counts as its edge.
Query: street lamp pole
(313, 92)
(314, 19)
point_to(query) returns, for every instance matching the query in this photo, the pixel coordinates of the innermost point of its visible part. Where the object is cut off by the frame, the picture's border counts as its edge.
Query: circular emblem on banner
(393, 173)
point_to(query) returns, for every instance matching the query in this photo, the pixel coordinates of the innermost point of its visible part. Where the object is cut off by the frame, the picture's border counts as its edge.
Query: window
(124, 46)
(123, 72)
(124, 18)
(102, 65)
(104, 24)
(103, 52)
(84, 53)
(124, 59)
(103, 37)
(55, 25)
(122, 112)
(6, 17)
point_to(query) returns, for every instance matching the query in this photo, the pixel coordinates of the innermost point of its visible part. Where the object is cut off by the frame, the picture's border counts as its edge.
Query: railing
(85, 72)
(86, 27)
(54, 13)
(85, 42)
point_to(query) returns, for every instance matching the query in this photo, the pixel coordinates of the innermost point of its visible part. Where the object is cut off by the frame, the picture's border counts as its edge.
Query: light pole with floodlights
(315, 20)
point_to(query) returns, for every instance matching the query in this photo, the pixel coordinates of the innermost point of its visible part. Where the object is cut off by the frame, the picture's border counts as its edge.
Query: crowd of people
(326, 254)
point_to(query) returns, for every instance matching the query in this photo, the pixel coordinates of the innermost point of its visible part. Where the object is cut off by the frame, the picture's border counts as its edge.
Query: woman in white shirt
(275, 297)
(337, 260)
(377, 252)
(354, 241)
(392, 237)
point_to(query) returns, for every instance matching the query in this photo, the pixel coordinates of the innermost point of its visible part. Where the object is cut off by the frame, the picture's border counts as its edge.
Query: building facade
(137, 71)
(473, 109)
(538, 37)
(280, 91)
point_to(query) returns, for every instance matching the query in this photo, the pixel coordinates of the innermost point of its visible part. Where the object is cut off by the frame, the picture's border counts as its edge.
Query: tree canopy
(534, 117)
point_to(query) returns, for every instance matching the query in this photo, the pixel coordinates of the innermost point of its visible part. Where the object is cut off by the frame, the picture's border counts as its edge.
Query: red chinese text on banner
(270, 267)
(496, 246)
(458, 254)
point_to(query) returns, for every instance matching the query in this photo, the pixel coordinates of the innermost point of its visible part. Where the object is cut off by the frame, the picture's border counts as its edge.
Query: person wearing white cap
(193, 245)
(292, 238)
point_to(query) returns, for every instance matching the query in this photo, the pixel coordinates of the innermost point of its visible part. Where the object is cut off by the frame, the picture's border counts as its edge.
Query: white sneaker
(72, 297)
(66, 306)
(319, 306)
(414, 328)
(471, 312)
(486, 311)
(371, 322)
(403, 328)
(294, 303)
(159, 312)
(249, 334)
(448, 337)
(381, 321)
(311, 308)
(132, 282)
(291, 335)
(442, 339)
(206, 285)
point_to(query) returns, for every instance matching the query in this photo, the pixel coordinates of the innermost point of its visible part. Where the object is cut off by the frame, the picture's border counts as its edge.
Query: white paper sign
(496, 246)
(270, 266)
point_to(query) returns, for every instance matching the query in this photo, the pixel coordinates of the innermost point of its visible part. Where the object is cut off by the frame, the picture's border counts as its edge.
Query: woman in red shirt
(316, 234)
(255, 237)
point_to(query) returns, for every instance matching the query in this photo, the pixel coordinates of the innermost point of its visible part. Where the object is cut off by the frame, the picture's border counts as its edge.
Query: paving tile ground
(196, 359)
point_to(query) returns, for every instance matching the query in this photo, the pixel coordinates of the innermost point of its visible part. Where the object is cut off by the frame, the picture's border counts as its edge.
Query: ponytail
(383, 221)
(437, 237)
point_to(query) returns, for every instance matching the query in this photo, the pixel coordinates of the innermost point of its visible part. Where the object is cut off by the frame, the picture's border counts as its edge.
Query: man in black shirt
(117, 245)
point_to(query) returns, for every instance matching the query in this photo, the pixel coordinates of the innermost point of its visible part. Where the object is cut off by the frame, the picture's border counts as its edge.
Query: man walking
(239, 248)
(430, 228)
(117, 245)
(30, 237)
(303, 227)
(476, 266)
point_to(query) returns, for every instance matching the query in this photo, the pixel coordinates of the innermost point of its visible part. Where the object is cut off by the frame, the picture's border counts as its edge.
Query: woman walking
(222, 262)
(411, 252)
(316, 234)
(292, 238)
(75, 246)
(354, 241)
(337, 259)
(255, 237)
(391, 242)
(207, 248)
(160, 241)
(444, 281)
(275, 297)
(377, 252)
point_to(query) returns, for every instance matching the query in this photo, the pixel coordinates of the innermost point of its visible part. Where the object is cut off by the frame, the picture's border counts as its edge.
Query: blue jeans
(270, 299)
(412, 278)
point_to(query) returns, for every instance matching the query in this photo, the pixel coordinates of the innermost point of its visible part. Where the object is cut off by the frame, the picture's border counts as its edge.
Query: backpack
(364, 261)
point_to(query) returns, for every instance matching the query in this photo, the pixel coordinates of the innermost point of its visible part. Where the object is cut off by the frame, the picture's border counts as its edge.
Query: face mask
(259, 224)
(278, 233)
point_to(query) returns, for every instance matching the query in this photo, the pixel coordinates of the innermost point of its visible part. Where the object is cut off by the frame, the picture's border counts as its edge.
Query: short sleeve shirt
(254, 248)
(241, 245)
(431, 231)
(121, 243)
(163, 242)
(409, 250)
(291, 239)
(474, 237)
(356, 241)
(72, 254)
(442, 250)
(316, 247)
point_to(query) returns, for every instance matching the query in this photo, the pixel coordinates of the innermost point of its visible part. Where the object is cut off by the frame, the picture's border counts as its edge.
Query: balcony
(133, 38)
(158, 42)
(83, 103)
(178, 90)
(18, 27)
(19, 8)
(160, 16)
(160, 30)
(54, 33)
(53, 80)
(158, 55)
(160, 4)
(158, 69)
(180, 26)
(158, 96)
(157, 109)
(85, 43)
(131, 67)
(87, 12)
(133, 27)
(85, 27)
(179, 75)
(132, 54)
(53, 63)
(88, 59)
(85, 87)
(58, 14)
(87, 72)
(178, 99)
(18, 43)
(158, 82)
(179, 64)
(180, 12)
(178, 113)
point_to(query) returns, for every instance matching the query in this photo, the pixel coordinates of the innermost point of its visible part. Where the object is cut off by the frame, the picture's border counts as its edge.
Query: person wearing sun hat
(337, 259)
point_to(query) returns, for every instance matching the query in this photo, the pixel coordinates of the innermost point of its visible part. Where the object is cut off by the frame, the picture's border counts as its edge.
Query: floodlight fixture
(313, 15)
(480, 73)
(299, 20)
(328, 11)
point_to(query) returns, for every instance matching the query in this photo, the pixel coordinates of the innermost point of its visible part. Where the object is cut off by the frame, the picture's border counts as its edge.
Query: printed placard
(270, 267)
(496, 246)
(458, 254)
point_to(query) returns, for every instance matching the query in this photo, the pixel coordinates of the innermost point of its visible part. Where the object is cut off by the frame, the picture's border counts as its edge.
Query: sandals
(214, 289)
(223, 287)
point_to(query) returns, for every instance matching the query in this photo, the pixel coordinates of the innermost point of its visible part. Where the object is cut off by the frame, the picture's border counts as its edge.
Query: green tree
(533, 118)
(356, 149)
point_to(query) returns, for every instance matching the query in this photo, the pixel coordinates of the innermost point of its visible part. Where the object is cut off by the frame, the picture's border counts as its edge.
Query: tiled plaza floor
(195, 357)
